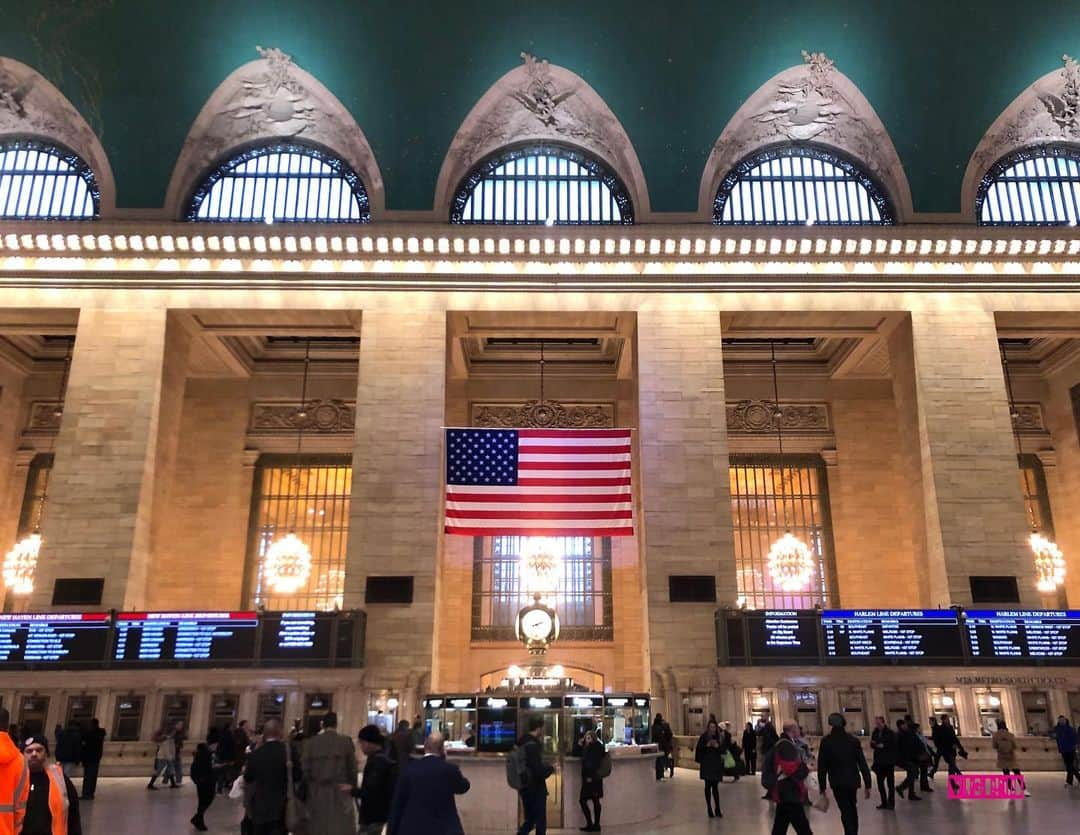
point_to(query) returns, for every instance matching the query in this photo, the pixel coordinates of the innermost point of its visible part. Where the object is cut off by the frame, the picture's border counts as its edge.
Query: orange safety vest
(14, 787)
(58, 799)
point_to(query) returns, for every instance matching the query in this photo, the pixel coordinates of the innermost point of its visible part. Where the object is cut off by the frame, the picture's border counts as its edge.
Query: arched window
(1037, 186)
(287, 182)
(793, 185)
(542, 185)
(40, 181)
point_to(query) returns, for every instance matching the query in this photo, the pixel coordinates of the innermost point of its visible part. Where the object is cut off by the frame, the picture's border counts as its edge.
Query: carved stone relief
(1047, 111)
(1029, 418)
(749, 417)
(31, 105)
(44, 417)
(271, 98)
(812, 102)
(321, 417)
(544, 414)
(539, 101)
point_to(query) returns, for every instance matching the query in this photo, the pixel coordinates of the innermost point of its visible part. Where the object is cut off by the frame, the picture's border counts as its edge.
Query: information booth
(454, 717)
(626, 718)
(127, 721)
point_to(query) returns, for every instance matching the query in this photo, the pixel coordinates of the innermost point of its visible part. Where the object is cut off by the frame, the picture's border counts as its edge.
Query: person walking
(592, 784)
(948, 744)
(786, 782)
(401, 745)
(749, 746)
(935, 755)
(376, 791)
(93, 749)
(328, 761)
(179, 737)
(53, 805)
(534, 795)
(709, 755)
(424, 798)
(225, 756)
(659, 736)
(69, 748)
(926, 756)
(842, 765)
(886, 754)
(911, 750)
(1004, 742)
(669, 748)
(266, 776)
(14, 780)
(1065, 734)
(164, 758)
(202, 775)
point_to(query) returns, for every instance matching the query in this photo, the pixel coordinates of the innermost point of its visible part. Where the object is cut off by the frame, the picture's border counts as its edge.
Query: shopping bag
(236, 792)
(822, 803)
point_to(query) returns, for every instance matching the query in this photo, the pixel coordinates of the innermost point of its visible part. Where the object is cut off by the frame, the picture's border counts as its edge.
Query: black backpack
(768, 771)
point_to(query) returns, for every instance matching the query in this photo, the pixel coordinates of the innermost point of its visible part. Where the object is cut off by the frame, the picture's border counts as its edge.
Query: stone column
(396, 509)
(685, 519)
(1063, 479)
(956, 438)
(121, 416)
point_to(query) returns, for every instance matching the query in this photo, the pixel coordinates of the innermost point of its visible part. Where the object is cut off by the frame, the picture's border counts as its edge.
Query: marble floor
(124, 807)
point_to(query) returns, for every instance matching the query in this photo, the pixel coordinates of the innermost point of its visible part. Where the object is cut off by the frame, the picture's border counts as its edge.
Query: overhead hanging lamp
(790, 561)
(20, 563)
(1049, 561)
(287, 562)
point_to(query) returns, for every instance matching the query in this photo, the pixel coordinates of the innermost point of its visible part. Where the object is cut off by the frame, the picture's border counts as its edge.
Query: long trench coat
(328, 761)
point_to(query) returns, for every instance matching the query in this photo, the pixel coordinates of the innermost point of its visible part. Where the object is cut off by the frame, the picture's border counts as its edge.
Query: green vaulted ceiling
(938, 72)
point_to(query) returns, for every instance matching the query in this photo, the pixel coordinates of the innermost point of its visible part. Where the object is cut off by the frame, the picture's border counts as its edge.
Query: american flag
(538, 482)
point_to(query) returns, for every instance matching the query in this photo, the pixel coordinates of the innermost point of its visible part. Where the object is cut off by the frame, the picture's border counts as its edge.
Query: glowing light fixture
(790, 561)
(947, 701)
(541, 565)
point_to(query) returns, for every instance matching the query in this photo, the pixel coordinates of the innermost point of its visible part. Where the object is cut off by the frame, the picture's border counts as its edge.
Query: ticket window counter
(807, 711)
(127, 722)
(1036, 706)
(760, 708)
(223, 710)
(33, 714)
(455, 718)
(625, 723)
(898, 704)
(316, 706)
(383, 713)
(853, 709)
(988, 703)
(176, 708)
(80, 710)
(943, 704)
(270, 706)
(695, 713)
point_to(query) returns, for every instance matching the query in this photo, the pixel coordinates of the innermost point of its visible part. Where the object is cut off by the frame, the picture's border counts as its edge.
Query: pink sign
(986, 787)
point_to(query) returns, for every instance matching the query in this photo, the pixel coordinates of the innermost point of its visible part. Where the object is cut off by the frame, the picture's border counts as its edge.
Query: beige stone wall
(120, 401)
(394, 525)
(875, 557)
(1063, 478)
(12, 476)
(201, 531)
(684, 492)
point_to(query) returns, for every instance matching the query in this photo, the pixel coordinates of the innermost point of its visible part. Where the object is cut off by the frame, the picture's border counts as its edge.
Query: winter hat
(36, 740)
(370, 733)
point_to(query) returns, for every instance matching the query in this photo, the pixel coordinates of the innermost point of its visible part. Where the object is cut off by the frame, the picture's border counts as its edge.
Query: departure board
(782, 637)
(925, 636)
(205, 638)
(54, 639)
(297, 638)
(1023, 636)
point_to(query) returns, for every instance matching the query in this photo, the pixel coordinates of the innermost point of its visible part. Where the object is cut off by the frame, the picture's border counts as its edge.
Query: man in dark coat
(842, 764)
(376, 790)
(886, 754)
(749, 745)
(401, 745)
(424, 796)
(69, 748)
(267, 770)
(534, 795)
(912, 753)
(93, 749)
(947, 743)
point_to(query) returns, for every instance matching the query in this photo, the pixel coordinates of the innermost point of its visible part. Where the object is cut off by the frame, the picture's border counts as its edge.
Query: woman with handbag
(595, 761)
(709, 755)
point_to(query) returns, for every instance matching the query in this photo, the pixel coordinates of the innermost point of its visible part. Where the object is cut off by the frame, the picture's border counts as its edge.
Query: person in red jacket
(788, 792)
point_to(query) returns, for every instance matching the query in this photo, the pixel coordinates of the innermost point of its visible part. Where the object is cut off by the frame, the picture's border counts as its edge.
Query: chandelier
(287, 563)
(541, 565)
(20, 563)
(790, 562)
(1049, 561)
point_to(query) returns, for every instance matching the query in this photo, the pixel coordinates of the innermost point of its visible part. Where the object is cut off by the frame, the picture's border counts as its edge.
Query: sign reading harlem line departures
(866, 635)
(1023, 636)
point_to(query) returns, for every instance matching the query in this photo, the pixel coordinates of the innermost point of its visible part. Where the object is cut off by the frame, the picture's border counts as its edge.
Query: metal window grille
(583, 601)
(1038, 186)
(286, 182)
(39, 181)
(310, 496)
(1036, 498)
(544, 185)
(33, 503)
(794, 185)
(770, 496)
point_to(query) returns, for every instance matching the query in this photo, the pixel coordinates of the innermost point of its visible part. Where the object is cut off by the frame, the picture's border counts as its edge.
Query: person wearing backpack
(594, 762)
(532, 777)
(1004, 742)
(783, 775)
(709, 755)
(842, 766)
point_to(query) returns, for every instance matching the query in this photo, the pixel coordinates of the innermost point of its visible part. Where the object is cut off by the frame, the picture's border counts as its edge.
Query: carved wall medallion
(1029, 418)
(271, 98)
(541, 102)
(812, 102)
(322, 417)
(544, 414)
(750, 417)
(44, 417)
(1046, 112)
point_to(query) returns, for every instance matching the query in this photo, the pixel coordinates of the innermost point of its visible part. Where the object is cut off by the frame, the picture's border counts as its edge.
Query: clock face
(536, 625)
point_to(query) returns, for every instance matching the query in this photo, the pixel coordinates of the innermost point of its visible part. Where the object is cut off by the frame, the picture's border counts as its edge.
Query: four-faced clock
(537, 626)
